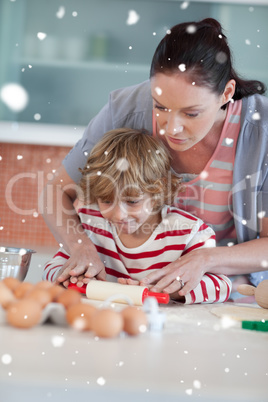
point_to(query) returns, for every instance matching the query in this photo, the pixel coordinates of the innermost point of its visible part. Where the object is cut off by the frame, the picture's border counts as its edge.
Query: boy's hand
(128, 281)
(83, 263)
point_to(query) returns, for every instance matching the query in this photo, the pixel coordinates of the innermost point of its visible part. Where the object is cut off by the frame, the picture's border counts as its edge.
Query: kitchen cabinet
(68, 55)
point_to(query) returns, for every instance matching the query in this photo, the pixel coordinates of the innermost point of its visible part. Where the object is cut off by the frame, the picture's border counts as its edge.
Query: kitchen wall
(24, 171)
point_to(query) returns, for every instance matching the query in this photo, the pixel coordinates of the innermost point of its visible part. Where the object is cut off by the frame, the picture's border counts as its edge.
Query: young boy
(126, 189)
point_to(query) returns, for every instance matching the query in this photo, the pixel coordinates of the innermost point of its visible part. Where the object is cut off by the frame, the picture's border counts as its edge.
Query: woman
(215, 126)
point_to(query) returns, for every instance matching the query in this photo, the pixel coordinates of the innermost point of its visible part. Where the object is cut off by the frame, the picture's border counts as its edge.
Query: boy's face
(129, 214)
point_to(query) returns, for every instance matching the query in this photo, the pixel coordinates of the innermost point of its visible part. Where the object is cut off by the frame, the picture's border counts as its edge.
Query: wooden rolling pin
(260, 292)
(101, 290)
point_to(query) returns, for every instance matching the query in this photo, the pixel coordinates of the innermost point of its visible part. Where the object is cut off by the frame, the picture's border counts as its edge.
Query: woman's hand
(83, 265)
(182, 275)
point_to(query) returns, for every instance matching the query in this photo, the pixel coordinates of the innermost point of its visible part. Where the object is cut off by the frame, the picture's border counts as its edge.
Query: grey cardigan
(132, 107)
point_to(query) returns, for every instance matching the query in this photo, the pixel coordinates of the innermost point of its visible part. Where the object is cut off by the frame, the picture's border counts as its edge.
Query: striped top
(208, 195)
(178, 234)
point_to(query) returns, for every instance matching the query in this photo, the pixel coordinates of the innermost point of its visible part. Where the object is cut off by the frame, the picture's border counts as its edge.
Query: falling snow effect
(256, 116)
(14, 96)
(41, 35)
(101, 381)
(6, 359)
(227, 322)
(58, 341)
(182, 67)
(37, 116)
(197, 384)
(221, 57)
(204, 175)
(133, 17)
(158, 91)
(261, 214)
(185, 5)
(191, 29)
(229, 141)
(61, 12)
(264, 264)
(122, 164)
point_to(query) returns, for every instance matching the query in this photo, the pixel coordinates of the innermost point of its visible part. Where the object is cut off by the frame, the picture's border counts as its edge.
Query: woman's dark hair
(201, 50)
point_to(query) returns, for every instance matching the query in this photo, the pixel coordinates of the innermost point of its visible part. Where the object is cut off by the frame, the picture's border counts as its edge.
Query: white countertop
(197, 357)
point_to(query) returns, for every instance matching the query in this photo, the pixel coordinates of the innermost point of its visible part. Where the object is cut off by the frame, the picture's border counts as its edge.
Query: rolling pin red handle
(81, 289)
(162, 298)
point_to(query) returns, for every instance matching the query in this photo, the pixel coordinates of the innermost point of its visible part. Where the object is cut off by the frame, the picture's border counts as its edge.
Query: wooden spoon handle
(246, 290)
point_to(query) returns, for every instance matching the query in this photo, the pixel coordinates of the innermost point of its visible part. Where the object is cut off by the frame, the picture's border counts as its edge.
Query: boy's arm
(211, 289)
(53, 267)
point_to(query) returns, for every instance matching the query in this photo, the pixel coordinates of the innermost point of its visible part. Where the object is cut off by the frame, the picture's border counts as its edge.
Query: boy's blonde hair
(128, 162)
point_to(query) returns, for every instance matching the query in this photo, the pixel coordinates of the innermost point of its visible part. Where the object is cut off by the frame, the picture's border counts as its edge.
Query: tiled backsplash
(24, 171)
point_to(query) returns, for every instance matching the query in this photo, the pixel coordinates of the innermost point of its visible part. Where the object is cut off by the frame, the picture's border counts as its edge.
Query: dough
(241, 313)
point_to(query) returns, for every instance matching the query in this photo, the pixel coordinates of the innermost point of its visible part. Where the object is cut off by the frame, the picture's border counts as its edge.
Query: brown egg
(23, 289)
(107, 323)
(55, 291)
(39, 295)
(6, 296)
(135, 320)
(44, 285)
(69, 297)
(24, 314)
(11, 283)
(79, 316)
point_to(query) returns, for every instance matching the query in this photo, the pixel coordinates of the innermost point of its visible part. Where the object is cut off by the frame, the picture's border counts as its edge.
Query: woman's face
(185, 113)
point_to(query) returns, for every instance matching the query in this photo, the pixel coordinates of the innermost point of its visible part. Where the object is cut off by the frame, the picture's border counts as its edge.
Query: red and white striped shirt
(178, 234)
(208, 195)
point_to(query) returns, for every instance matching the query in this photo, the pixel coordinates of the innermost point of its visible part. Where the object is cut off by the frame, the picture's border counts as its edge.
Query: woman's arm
(60, 216)
(244, 258)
